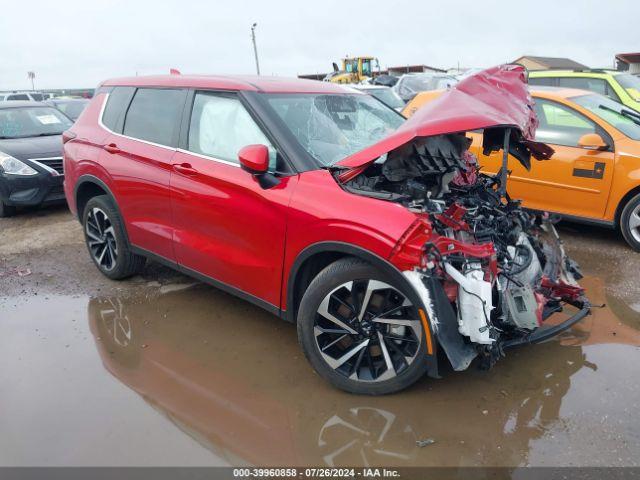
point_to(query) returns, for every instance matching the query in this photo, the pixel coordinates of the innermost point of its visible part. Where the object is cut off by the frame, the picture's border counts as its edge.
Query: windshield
(631, 84)
(614, 113)
(332, 127)
(386, 96)
(24, 122)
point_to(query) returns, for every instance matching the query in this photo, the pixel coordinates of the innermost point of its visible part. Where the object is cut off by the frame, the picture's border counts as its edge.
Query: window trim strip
(207, 157)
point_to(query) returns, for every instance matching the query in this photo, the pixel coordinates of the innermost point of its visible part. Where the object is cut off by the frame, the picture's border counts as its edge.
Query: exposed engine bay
(490, 273)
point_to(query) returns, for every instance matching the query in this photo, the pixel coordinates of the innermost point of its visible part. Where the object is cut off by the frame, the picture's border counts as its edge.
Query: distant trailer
(314, 76)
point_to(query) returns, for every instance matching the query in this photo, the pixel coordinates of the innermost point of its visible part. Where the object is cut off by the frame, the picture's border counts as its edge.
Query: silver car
(412, 83)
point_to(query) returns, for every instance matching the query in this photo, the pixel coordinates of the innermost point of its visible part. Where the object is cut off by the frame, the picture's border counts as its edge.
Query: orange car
(594, 175)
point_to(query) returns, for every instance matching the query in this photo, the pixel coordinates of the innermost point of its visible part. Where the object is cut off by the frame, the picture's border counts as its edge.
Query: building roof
(414, 68)
(231, 82)
(628, 57)
(554, 62)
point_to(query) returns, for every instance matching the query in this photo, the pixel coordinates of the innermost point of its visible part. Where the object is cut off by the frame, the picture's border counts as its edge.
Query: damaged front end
(489, 273)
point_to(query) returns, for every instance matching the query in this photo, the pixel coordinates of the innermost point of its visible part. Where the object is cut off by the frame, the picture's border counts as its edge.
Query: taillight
(68, 135)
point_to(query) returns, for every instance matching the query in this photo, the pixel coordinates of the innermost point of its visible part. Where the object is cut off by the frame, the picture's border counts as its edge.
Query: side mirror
(592, 141)
(254, 159)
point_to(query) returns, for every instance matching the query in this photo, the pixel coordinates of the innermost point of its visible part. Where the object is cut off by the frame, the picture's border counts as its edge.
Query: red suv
(377, 236)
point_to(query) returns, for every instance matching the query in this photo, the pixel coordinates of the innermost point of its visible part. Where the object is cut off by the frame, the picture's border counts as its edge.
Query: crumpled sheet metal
(496, 97)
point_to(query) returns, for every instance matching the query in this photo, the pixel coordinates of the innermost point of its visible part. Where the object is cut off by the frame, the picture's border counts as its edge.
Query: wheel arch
(316, 257)
(89, 186)
(623, 202)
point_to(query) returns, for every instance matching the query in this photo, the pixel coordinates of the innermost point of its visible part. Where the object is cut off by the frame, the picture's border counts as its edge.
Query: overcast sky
(78, 43)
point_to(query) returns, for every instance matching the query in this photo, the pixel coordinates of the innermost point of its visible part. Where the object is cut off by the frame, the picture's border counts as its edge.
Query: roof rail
(590, 70)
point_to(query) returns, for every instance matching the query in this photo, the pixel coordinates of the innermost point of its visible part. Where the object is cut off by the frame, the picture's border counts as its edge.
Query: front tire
(360, 331)
(630, 223)
(106, 240)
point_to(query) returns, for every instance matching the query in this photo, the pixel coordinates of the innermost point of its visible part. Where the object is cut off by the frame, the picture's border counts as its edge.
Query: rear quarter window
(117, 103)
(154, 115)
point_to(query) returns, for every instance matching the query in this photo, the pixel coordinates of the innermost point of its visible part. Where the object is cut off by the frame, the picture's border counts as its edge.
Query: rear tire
(6, 210)
(106, 240)
(630, 223)
(378, 330)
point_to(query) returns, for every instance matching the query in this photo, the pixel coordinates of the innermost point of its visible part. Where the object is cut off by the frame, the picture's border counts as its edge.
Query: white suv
(34, 96)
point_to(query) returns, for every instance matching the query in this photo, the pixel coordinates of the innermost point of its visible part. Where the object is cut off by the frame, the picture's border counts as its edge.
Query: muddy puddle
(187, 375)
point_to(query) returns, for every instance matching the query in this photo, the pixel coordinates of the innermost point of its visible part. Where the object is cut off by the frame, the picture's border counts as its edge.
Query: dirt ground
(163, 370)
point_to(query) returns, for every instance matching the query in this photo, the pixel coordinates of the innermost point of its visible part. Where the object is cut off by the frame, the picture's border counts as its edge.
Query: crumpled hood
(492, 98)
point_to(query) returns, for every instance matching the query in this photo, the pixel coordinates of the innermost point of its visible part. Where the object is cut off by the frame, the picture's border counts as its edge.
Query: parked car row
(397, 91)
(386, 95)
(24, 96)
(409, 85)
(621, 87)
(37, 96)
(71, 107)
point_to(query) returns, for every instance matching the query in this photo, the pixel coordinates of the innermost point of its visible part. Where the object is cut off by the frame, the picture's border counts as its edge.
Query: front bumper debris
(545, 333)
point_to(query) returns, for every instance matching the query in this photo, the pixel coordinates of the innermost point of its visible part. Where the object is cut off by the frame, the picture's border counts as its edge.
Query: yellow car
(622, 87)
(594, 174)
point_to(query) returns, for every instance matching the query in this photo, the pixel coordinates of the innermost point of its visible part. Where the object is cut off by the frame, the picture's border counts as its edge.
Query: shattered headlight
(13, 166)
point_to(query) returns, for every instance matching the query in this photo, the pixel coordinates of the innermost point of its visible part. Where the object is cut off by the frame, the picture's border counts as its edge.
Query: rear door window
(154, 115)
(19, 96)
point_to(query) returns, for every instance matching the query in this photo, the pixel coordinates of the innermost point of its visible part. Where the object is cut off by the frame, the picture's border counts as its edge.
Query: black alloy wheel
(101, 239)
(360, 331)
(106, 240)
(367, 330)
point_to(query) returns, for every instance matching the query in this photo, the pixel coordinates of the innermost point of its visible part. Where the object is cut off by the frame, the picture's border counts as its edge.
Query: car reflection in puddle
(233, 378)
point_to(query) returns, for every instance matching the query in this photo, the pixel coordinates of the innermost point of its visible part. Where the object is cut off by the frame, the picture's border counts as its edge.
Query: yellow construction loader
(354, 70)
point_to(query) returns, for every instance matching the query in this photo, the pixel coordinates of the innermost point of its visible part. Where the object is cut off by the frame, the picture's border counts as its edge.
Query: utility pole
(255, 48)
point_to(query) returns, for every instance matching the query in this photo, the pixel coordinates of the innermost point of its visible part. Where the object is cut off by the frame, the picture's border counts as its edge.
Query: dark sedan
(31, 171)
(71, 107)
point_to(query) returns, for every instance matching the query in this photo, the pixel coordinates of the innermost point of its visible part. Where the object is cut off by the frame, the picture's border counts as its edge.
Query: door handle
(185, 169)
(111, 148)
